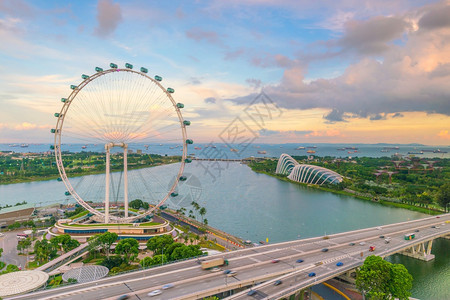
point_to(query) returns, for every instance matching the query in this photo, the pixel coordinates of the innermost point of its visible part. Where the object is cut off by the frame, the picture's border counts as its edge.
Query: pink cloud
(443, 134)
(329, 132)
(109, 15)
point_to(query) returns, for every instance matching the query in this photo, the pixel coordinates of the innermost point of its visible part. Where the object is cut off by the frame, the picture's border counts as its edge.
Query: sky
(287, 71)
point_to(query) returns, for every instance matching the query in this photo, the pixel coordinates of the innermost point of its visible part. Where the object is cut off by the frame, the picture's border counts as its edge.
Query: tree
(443, 196)
(64, 242)
(106, 240)
(400, 284)
(1, 251)
(12, 268)
(379, 279)
(136, 204)
(185, 252)
(44, 250)
(158, 244)
(128, 247)
(202, 212)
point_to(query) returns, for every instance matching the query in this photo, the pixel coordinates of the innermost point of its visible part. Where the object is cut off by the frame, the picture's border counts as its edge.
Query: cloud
(443, 134)
(231, 55)
(442, 70)
(198, 35)
(411, 76)
(371, 36)
(254, 83)
(438, 16)
(335, 115)
(109, 15)
(194, 81)
(210, 100)
(267, 132)
(328, 133)
(377, 117)
(398, 115)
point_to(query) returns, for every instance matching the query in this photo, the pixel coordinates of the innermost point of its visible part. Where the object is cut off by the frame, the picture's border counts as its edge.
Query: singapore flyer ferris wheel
(123, 112)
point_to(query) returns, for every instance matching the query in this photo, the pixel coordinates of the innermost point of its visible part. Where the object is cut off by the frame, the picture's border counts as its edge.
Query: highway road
(254, 266)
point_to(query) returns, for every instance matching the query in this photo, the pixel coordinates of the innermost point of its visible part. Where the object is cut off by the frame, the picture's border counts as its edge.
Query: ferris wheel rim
(58, 153)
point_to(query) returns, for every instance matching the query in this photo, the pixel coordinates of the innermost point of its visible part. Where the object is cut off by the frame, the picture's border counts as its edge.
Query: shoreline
(96, 172)
(427, 211)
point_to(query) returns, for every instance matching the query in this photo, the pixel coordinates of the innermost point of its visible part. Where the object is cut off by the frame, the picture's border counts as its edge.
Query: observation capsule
(98, 69)
(183, 178)
(158, 78)
(171, 90)
(113, 66)
(73, 87)
(180, 105)
(128, 66)
(189, 141)
(174, 194)
(186, 123)
(67, 193)
(64, 100)
(57, 115)
(59, 179)
(84, 76)
(52, 130)
(188, 160)
(52, 147)
(144, 70)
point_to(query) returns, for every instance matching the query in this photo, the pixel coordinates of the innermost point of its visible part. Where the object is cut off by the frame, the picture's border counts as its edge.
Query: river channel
(258, 207)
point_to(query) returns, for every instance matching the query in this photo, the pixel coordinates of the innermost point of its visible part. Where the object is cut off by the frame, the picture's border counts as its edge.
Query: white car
(2, 234)
(215, 270)
(362, 243)
(154, 293)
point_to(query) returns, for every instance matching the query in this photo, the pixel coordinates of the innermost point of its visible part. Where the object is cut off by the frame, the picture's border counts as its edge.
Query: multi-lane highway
(255, 268)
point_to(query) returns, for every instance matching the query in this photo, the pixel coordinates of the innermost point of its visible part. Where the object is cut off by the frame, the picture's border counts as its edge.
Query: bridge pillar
(349, 276)
(421, 251)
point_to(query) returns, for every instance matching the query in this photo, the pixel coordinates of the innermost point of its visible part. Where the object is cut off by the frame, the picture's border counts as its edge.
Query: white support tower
(125, 178)
(107, 183)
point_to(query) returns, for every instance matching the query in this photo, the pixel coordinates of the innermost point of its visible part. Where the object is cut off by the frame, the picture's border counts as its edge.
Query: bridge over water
(255, 269)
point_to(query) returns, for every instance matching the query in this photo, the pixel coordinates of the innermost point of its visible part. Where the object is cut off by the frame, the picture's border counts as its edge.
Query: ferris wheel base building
(138, 231)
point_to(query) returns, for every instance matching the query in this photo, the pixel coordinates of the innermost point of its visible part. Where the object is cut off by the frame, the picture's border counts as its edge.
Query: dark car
(312, 274)
(339, 264)
(278, 282)
(226, 271)
(351, 244)
(417, 230)
(381, 236)
(123, 297)
(300, 260)
(325, 250)
(251, 293)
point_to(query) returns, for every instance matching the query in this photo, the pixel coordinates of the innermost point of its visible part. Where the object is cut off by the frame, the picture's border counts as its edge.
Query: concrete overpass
(256, 270)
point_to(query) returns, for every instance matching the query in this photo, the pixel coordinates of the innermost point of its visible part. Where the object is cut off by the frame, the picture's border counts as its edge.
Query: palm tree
(202, 212)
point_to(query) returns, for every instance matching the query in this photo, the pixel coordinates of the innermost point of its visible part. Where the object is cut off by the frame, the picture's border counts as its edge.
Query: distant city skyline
(344, 71)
